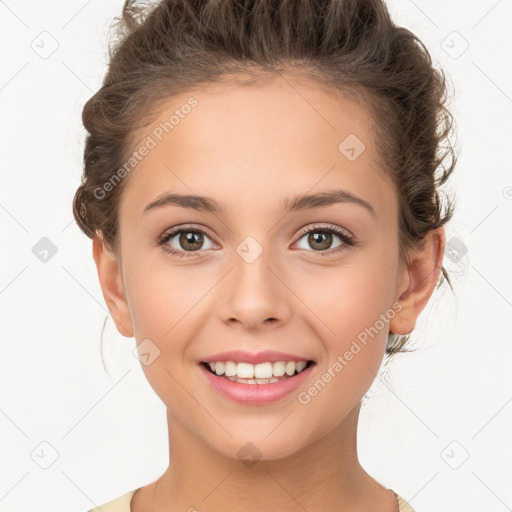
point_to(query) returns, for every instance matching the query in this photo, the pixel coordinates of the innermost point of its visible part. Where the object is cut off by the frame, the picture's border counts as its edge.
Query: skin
(249, 148)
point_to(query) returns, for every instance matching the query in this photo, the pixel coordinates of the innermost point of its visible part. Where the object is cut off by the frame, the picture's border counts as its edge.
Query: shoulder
(121, 504)
(403, 506)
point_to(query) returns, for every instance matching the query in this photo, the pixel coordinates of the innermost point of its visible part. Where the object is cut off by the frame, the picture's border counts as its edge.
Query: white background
(426, 413)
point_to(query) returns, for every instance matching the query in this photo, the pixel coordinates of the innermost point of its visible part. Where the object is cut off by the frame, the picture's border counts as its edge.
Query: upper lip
(241, 356)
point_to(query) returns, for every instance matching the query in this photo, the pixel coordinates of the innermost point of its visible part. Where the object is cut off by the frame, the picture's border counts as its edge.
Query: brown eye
(191, 240)
(319, 240)
(180, 241)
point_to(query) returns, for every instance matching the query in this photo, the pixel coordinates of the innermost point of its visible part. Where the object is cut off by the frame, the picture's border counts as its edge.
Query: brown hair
(350, 46)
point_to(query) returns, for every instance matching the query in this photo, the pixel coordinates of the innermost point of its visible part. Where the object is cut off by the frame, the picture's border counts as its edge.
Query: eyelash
(345, 238)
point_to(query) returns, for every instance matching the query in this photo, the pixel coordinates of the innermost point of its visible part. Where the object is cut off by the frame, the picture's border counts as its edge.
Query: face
(257, 273)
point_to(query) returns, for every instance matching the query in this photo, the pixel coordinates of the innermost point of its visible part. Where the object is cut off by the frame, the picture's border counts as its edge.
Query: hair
(350, 47)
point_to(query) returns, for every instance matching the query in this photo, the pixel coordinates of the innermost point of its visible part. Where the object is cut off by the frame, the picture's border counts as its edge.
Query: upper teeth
(258, 371)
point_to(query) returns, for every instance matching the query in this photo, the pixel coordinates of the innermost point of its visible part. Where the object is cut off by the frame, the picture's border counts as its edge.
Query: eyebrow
(301, 202)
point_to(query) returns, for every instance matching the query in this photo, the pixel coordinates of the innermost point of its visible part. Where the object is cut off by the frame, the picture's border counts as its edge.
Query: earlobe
(109, 273)
(421, 277)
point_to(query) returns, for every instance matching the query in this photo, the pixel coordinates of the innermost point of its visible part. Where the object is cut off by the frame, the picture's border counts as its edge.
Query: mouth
(262, 373)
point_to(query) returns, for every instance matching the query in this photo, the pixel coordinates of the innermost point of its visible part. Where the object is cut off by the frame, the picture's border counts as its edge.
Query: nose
(255, 295)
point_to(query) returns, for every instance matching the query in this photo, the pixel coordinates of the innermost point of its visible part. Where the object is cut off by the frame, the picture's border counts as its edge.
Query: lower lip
(256, 394)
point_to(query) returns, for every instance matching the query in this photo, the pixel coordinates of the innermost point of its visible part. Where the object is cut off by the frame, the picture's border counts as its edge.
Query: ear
(109, 273)
(419, 280)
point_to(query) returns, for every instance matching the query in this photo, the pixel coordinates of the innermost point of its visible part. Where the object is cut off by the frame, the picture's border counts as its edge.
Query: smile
(248, 385)
(261, 373)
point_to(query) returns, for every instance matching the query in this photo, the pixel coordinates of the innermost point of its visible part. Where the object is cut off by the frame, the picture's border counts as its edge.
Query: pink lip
(255, 394)
(240, 356)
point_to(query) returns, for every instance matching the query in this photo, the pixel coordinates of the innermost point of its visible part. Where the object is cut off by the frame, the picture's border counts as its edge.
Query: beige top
(122, 504)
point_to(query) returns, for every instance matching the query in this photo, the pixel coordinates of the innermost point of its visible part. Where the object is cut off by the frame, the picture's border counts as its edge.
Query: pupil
(324, 239)
(187, 240)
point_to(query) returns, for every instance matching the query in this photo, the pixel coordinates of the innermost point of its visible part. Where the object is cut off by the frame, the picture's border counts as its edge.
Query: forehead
(270, 140)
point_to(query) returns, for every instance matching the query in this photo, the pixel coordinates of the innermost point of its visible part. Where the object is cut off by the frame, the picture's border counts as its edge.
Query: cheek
(347, 299)
(162, 296)
(350, 318)
(350, 307)
(161, 304)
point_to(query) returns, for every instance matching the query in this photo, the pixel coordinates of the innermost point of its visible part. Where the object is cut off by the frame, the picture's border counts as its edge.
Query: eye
(320, 238)
(191, 239)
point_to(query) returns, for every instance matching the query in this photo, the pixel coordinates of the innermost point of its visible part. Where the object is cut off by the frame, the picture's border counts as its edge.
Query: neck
(325, 474)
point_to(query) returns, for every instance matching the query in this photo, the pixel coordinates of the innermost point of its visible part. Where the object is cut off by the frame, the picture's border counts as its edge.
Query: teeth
(301, 365)
(245, 371)
(263, 371)
(278, 368)
(290, 368)
(254, 381)
(229, 369)
(256, 372)
(219, 368)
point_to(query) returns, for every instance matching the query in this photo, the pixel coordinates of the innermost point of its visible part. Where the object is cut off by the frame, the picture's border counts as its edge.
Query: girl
(261, 186)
